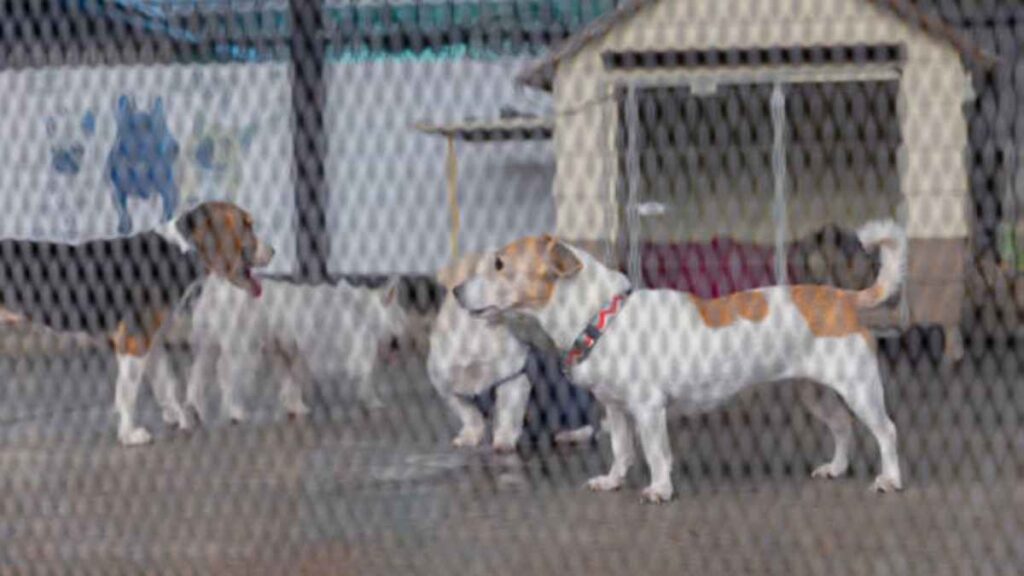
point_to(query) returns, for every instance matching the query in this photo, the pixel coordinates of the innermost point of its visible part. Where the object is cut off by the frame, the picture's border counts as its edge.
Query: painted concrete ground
(348, 491)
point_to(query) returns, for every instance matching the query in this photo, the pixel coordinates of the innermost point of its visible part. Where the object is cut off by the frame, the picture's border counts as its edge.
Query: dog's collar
(490, 387)
(597, 326)
(169, 231)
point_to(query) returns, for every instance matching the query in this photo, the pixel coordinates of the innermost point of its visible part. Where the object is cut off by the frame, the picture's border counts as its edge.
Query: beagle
(471, 357)
(643, 352)
(312, 331)
(127, 288)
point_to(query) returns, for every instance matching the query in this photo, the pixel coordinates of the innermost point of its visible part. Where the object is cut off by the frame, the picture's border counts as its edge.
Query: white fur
(170, 232)
(469, 355)
(130, 371)
(165, 389)
(659, 354)
(313, 331)
(892, 239)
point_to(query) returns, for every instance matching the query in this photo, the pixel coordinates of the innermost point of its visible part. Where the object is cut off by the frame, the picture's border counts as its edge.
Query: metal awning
(510, 129)
(497, 130)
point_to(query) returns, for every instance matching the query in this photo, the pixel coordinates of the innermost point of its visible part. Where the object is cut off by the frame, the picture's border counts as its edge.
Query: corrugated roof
(541, 73)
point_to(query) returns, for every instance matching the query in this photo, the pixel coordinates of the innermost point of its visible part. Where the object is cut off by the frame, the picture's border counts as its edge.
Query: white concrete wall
(388, 209)
(388, 196)
(43, 110)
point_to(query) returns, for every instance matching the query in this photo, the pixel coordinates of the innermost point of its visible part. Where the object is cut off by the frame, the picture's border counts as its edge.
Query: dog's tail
(891, 239)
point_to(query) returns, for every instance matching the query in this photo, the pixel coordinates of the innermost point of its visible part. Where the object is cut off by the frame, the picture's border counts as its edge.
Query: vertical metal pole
(1014, 182)
(778, 106)
(309, 141)
(633, 182)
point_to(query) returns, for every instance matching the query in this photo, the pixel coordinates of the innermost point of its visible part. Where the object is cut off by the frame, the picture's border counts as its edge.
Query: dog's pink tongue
(256, 286)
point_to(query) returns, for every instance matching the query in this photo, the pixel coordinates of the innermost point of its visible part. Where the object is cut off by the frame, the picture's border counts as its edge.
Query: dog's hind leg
(868, 403)
(861, 389)
(623, 450)
(510, 408)
(473, 426)
(829, 409)
(653, 428)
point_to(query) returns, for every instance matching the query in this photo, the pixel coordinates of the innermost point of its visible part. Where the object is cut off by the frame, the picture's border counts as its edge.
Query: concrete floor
(348, 491)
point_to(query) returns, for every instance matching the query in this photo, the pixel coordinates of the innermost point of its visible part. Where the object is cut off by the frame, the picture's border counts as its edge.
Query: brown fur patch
(829, 312)
(220, 232)
(725, 311)
(870, 297)
(541, 261)
(8, 317)
(136, 342)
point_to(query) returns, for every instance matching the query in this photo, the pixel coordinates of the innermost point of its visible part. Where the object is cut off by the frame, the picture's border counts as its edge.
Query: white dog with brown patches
(471, 356)
(642, 352)
(467, 357)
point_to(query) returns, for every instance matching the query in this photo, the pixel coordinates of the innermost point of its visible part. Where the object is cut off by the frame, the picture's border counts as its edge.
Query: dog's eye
(498, 264)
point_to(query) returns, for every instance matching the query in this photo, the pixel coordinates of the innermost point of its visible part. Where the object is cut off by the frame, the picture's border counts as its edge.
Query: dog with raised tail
(646, 352)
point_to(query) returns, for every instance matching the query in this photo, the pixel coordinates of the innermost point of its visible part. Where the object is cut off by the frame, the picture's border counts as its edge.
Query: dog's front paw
(134, 437)
(298, 411)
(829, 470)
(194, 414)
(577, 436)
(656, 494)
(170, 416)
(606, 483)
(176, 418)
(184, 424)
(237, 414)
(468, 438)
(886, 484)
(505, 441)
(504, 445)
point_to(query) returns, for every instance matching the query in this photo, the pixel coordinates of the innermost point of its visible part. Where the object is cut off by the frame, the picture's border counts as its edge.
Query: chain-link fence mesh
(452, 287)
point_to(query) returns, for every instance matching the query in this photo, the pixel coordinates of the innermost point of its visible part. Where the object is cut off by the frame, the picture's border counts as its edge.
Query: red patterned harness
(597, 326)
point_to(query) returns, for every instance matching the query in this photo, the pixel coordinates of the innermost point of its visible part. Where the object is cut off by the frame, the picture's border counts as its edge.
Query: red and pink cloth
(716, 268)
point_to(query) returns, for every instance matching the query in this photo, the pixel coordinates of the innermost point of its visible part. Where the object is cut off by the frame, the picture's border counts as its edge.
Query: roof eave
(540, 75)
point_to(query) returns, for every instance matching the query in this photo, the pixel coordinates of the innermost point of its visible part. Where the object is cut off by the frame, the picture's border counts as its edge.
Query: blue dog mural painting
(68, 140)
(142, 160)
(213, 158)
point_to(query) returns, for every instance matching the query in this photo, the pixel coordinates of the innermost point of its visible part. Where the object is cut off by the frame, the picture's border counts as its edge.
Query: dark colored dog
(127, 288)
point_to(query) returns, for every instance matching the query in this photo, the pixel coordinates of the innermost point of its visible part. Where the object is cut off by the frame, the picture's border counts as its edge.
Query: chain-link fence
(454, 287)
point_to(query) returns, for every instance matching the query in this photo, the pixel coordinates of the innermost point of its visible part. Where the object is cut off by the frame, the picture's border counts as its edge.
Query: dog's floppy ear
(562, 260)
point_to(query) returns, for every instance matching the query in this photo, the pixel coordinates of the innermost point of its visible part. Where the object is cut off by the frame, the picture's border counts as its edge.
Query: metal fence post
(778, 107)
(309, 140)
